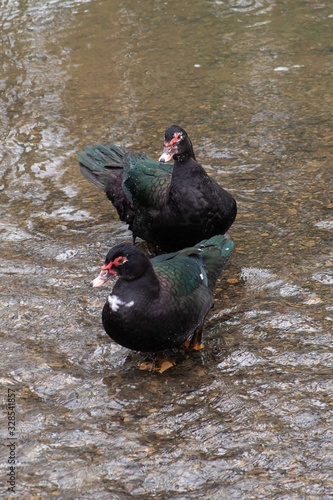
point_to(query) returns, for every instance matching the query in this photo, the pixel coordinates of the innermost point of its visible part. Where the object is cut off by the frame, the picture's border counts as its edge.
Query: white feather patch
(115, 302)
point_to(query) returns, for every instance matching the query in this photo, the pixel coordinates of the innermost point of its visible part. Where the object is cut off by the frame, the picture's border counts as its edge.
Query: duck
(161, 303)
(170, 206)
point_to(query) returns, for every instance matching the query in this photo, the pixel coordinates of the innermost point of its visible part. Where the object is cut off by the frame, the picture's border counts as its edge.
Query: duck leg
(152, 249)
(157, 363)
(149, 364)
(195, 342)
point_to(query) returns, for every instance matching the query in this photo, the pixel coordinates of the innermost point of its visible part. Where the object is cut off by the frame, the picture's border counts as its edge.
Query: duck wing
(99, 163)
(180, 275)
(146, 182)
(210, 257)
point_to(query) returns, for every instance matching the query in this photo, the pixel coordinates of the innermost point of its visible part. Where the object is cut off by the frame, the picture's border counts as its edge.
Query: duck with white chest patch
(160, 303)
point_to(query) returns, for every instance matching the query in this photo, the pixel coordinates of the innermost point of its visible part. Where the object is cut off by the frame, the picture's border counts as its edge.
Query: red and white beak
(105, 274)
(167, 154)
(171, 148)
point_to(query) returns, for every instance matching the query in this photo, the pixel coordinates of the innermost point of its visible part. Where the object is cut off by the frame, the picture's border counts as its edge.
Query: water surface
(251, 81)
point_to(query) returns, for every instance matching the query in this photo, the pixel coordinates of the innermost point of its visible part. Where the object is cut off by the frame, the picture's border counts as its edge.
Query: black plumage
(171, 207)
(158, 304)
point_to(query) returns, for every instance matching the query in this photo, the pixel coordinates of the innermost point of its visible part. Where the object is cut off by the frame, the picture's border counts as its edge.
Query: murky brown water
(251, 416)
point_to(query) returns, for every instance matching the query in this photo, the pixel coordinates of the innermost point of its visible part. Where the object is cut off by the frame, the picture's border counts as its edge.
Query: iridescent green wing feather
(214, 255)
(97, 161)
(181, 275)
(145, 181)
(210, 257)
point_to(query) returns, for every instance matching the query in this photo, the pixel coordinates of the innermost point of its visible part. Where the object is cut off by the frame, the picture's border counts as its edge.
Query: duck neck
(152, 281)
(186, 155)
(183, 168)
(147, 283)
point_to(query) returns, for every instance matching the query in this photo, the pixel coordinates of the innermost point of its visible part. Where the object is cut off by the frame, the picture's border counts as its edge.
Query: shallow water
(251, 416)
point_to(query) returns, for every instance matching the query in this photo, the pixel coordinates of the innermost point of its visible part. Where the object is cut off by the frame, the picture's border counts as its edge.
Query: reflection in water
(249, 417)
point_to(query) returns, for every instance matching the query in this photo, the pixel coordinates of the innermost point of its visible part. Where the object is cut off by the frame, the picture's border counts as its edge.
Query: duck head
(125, 261)
(177, 145)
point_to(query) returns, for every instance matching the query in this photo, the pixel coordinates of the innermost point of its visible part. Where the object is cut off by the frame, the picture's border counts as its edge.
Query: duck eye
(119, 261)
(176, 140)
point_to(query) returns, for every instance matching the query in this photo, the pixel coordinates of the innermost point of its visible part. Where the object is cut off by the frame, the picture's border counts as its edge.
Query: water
(250, 416)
